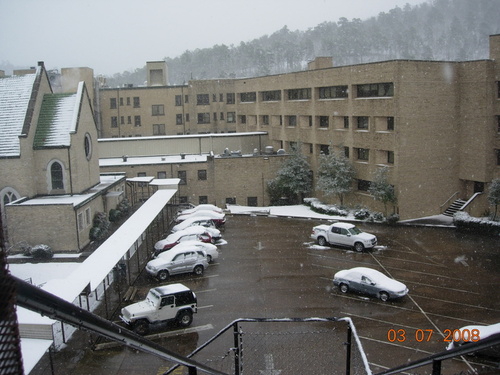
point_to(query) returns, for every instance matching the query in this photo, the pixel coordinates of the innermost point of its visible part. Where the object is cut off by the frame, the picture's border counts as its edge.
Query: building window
(390, 123)
(346, 122)
(81, 224)
(299, 94)
(221, 116)
(265, 119)
(362, 122)
(202, 199)
(243, 119)
(363, 185)
(371, 90)
(390, 157)
(178, 100)
(310, 121)
(88, 217)
(137, 120)
(202, 99)
(178, 119)
(129, 120)
(333, 92)
(128, 100)
(324, 149)
(182, 175)
(203, 118)
(324, 121)
(231, 116)
(498, 124)
(363, 154)
(292, 121)
(158, 129)
(346, 152)
(246, 97)
(230, 200)
(122, 120)
(221, 97)
(87, 146)
(202, 174)
(214, 97)
(271, 96)
(114, 122)
(112, 103)
(252, 201)
(230, 98)
(215, 116)
(187, 117)
(157, 110)
(56, 176)
(121, 102)
(162, 175)
(498, 156)
(137, 102)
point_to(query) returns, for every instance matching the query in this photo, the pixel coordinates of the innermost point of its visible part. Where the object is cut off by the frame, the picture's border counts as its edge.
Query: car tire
(184, 318)
(384, 297)
(343, 288)
(162, 275)
(141, 327)
(198, 270)
(209, 258)
(359, 247)
(322, 241)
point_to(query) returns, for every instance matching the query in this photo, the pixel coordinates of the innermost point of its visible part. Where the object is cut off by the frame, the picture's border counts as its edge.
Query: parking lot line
(457, 303)
(438, 286)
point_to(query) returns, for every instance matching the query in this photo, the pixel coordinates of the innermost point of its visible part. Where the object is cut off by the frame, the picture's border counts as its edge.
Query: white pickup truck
(343, 234)
(174, 302)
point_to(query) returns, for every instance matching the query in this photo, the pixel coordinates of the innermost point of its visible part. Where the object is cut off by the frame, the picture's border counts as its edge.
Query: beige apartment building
(435, 124)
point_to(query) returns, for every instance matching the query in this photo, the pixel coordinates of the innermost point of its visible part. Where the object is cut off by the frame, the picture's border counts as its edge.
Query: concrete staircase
(454, 207)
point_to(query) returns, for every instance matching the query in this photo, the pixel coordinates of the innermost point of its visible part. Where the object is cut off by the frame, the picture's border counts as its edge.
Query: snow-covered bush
(114, 215)
(392, 219)
(40, 251)
(327, 209)
(361, 214)
(124, 206)
(377, 216)
(101, 226)
(464, 222)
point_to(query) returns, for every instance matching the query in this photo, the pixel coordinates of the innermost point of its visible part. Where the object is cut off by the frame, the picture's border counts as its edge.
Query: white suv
(174, 302)
(178, 261)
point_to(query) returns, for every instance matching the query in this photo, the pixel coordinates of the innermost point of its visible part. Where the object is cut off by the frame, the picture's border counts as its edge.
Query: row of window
(370, 90)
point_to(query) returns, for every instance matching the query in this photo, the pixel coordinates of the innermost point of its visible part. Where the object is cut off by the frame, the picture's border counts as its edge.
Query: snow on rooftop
(148, 160)
(15, 94)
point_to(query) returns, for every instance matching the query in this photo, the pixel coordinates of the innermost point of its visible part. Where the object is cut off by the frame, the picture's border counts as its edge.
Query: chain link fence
(284, 346)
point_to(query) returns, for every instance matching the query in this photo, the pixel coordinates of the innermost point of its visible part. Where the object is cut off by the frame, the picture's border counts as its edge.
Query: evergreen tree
(335, 175)
(293, 179)
(381, 190)
(494, 195)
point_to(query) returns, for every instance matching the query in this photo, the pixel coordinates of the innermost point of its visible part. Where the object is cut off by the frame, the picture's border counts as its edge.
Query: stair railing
(470, 200)
(446, 203)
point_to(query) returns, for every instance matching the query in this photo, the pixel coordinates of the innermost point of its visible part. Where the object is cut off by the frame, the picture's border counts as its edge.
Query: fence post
(237, 349)
(436, 367)
(348, 348)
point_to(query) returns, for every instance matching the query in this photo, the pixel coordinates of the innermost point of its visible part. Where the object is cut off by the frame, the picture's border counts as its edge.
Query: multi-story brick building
(434, 123)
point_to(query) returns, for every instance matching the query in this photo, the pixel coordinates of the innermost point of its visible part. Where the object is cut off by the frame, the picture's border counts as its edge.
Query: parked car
(175, 262)
(174, 302)
(218, 218)
(369, 281)
(203, 221)
(343, 234)
(206, 207)
(208, 248)
(474, 333)
(189, 234)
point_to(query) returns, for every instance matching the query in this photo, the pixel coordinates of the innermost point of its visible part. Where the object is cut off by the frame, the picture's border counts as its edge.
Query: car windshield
(153, 298)
(354, 230)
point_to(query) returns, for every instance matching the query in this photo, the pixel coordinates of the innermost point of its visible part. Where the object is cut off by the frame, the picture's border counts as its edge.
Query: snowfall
(53, 275)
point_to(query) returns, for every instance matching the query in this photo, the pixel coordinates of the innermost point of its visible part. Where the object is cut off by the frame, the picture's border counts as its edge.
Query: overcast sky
(112, 36)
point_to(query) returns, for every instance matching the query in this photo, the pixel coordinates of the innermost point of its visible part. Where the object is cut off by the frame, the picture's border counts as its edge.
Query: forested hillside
(454, 30)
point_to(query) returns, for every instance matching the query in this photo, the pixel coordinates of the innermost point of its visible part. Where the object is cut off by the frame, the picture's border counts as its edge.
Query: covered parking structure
(119, 259)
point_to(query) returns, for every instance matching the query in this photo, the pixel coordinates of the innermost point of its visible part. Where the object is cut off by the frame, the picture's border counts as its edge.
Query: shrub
(100, 228)
(114, 215)
(326, 209)
(124, 206)
(465, 223)
(361, 214)
(41, 251)
(392, 219)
